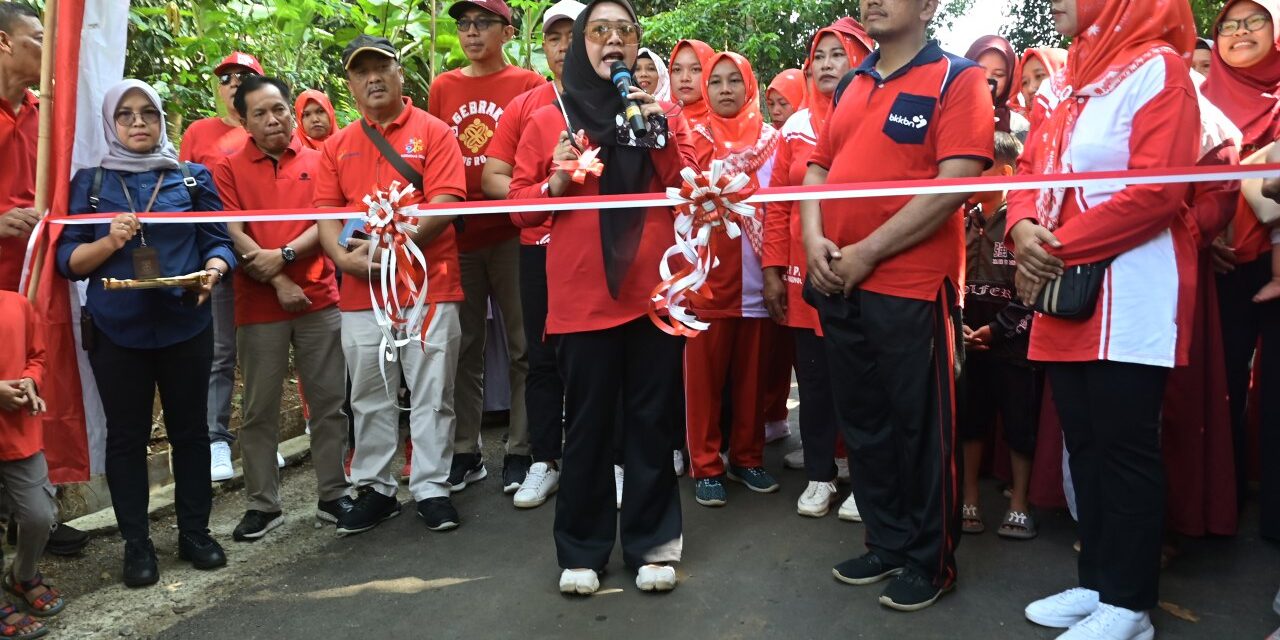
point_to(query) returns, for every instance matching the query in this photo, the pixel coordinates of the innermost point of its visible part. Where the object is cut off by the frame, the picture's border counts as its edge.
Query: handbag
(1074, 294)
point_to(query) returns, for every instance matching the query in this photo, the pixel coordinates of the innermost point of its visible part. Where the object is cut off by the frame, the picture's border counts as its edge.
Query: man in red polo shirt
(470, 100)
(286, 294)
(207, 142)
(351, 166)
(883, 275)
(21, 35)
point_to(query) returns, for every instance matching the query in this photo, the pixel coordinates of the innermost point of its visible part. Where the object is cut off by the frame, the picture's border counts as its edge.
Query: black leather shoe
(202, 551)
(332, 510)
(64, 540)
(140, 567)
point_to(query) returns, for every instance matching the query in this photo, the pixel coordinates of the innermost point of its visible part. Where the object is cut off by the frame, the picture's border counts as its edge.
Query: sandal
(970, 521)
(1018, 525)
(15, 630)
(47, 604)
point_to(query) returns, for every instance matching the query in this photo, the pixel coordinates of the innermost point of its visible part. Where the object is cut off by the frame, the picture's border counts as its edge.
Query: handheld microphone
(624, 82)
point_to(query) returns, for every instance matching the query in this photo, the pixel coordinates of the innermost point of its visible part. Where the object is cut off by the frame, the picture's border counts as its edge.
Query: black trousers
(632, 358)
(1244, 323)
(992, 389)
(818, 428)
(543, 389)
(127, 381)
(892, 367)
(1110, 414)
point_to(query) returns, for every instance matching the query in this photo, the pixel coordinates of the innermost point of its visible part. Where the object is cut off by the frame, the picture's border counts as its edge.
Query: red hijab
(1001, 46)
(299, 105)
(857, 45)
(790, 85)
(1052, 59)
(1248, 96)
(696, 113)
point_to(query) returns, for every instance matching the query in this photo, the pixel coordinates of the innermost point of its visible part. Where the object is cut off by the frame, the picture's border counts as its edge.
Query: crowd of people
(1082, 335)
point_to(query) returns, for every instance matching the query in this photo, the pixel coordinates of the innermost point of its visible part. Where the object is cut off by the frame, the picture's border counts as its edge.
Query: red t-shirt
(472, 107)
(351, 166)
(901, 128)
(250, 179)
(18, 140)
(783, 244)
(506, 140)
(21, 356)
(577, 296)
(210, 140)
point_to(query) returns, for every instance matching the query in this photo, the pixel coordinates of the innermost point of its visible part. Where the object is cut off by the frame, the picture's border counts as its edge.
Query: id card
(146, 263)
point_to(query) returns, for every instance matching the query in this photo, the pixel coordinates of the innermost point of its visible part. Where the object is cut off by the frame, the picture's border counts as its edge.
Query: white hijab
(119, 157)
(663, 92)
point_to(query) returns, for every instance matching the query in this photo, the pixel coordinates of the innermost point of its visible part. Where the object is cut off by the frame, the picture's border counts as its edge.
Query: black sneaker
(866, 569)
(201, 550)
(911, 591)
(438, 513)
(370, 510)
(64, 540)
(466, 468)
(514, 470)
(140, 566)
(331, 510)
(256, 524)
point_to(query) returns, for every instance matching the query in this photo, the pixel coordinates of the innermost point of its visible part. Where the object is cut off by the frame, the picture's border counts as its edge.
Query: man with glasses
(208, 142)
(470, 100)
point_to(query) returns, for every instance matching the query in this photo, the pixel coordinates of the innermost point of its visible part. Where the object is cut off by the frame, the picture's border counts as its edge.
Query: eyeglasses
(464, 25)
(126, 118)
(599, 30)
(1251, 24)
(226, 78)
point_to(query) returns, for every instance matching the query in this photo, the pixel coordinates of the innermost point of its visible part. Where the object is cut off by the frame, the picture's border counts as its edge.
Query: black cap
(363, 43)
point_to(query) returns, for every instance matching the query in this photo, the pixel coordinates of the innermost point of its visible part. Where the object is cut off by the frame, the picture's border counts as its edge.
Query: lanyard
(155, 193)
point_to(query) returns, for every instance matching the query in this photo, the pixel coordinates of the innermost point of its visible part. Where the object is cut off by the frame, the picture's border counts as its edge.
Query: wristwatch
(289, 254)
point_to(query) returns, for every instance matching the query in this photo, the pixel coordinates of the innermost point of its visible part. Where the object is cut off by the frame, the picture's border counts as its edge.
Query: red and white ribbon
(587, 163)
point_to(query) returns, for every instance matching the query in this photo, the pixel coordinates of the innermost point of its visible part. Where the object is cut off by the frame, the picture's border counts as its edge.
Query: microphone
(624, 82)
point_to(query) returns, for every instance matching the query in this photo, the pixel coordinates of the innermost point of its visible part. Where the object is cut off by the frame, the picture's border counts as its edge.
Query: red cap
(496, 7)
(238, 59)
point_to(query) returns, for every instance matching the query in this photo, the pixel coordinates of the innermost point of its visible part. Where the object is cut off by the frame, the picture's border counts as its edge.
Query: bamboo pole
(44, 150)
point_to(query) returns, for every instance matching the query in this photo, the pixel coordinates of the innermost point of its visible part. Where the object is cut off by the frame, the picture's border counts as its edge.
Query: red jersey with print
(1151, 120)
(472, 107)
(505, 141)
(18, 140)
(783, 245)
(935, 108)
(351, 167)
(577, 296)
(250, 179)
(21, 356)
(210, 140)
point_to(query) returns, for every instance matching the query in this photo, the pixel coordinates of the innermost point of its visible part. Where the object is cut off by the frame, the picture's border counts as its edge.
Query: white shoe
(1064, 609)
(581, 582)
(776, 430)
(617, 481)
(842, 470)
(816, 500)
(279, 460)
(1112, 623)
(677, 459)
(220, 469)
(794, 460)
(849, 510)
(539, 483)
(656, 577)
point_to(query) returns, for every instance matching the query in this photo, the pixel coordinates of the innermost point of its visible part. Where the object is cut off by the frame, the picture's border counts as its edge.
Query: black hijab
(592, 104)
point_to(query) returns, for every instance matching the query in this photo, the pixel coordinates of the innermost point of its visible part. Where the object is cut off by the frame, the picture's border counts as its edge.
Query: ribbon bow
(586, 163)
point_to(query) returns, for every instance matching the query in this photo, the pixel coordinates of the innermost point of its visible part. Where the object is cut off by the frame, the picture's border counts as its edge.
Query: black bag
(1074, 294)
(389, 152)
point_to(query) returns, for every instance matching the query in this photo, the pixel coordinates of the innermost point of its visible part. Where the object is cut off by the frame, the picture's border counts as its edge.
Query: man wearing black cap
(395, 142)
(470, 100)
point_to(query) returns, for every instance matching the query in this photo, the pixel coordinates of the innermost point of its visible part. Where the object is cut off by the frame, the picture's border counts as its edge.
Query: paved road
(753, 569)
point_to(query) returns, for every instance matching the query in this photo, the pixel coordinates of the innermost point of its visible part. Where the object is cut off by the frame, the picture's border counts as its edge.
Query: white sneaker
(842, 470)
(220, 469)
(794, 460)
(776, 430)
(677, 459)
(849, 510)
(816, 500)
(582, 582)
(539, 483)
(1112, 623)
(279, 460)
(1064, 609)
(617, 481)
(656, 577)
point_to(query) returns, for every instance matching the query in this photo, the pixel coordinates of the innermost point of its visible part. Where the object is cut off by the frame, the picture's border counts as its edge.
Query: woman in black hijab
(601, 267)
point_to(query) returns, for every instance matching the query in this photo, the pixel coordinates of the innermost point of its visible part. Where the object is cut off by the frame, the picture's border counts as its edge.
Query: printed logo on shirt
(304, 176)
(793, 276)
(908, 121)
(413, 146)
(1000, 255)
(475, 136)
(474, 124)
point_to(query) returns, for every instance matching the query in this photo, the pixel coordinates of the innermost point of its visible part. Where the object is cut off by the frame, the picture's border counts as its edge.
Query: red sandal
(15, 630)
(50, 603)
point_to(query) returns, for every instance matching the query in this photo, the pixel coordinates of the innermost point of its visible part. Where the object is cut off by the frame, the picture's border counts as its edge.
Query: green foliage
(1032, 25)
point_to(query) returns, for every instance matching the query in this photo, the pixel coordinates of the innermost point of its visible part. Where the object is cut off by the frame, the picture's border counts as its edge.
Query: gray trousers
(491, 271)
(428, 373)
(264, 361)
(32, 509)
(222, 376)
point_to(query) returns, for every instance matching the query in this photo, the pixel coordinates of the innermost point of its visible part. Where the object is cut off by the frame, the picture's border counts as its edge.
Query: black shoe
(514, 470)
(140, 566)
(438, 513)
(369, 510)
(201, 550)
(256, 524)
(466, 468)
(866, 569)
(911, 591)
(64, 540)
(332, 510)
